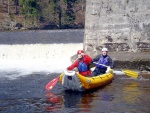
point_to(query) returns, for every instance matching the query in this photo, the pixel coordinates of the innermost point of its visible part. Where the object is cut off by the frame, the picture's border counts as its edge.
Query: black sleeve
(110, 62)
(96, 58)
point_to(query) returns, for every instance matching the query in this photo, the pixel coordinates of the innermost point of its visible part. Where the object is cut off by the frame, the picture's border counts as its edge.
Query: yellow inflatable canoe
(74, 81)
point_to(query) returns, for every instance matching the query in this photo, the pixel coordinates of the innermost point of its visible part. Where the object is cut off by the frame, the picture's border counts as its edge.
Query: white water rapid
(29, 58)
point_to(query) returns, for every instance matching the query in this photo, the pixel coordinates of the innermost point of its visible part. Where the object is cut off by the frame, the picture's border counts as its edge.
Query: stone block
(120, 24)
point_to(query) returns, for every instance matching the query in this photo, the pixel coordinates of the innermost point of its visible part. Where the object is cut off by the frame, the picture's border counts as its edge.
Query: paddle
(127, 72)
(131, 73)
(53, 82)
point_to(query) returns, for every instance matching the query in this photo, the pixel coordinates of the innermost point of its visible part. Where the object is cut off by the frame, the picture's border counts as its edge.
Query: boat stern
(70, 81)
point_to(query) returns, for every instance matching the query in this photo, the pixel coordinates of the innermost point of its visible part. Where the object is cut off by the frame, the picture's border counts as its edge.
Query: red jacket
(87, 59)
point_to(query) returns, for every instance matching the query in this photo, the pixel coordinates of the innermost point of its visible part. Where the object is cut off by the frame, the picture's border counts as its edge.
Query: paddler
(103, 58)
(82, 63)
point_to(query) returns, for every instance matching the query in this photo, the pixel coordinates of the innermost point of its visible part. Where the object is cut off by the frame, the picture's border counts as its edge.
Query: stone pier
(119, 25)
(123, 26)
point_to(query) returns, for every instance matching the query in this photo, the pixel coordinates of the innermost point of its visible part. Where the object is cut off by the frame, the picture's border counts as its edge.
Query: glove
(108, 69)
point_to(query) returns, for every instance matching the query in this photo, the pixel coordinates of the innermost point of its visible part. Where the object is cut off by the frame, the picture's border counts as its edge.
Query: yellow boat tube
(74, 81)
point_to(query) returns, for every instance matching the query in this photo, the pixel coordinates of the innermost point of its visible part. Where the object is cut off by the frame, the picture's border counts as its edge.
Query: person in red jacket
(82, 63)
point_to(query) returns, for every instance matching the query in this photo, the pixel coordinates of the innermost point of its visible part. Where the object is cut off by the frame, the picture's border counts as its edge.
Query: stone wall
(119, 25)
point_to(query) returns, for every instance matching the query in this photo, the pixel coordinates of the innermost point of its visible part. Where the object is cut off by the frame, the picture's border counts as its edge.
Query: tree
(16, 4)
(8, 4)
(30, 9)
(69, 15)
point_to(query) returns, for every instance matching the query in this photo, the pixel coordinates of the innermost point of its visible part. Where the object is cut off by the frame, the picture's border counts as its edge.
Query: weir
(38, 51)
(37, 57)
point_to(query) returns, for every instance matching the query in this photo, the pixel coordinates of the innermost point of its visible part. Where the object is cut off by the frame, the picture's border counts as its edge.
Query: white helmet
(104, 49)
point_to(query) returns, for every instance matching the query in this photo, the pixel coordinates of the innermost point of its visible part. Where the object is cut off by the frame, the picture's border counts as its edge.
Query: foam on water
(18, 60)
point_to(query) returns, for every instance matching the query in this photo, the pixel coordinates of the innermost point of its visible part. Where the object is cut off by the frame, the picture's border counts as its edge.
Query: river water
(27, 94)
(25, 69)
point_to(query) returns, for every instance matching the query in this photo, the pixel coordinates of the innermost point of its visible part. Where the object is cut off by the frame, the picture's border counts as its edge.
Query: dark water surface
(27, 94)
(42, 36)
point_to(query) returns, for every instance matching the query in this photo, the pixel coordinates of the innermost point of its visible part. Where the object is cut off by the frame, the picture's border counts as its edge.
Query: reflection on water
(131, 93)
(53, 101)
(107, 97)
(69, 100)
(28, 95)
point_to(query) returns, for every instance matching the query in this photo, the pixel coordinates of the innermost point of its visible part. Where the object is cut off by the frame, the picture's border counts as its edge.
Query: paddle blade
(131, 73)
(52, 83)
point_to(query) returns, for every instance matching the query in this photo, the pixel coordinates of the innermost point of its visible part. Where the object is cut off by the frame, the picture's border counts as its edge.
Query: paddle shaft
(115, 72)
(101, 64)
(126, 72)
(53, 82)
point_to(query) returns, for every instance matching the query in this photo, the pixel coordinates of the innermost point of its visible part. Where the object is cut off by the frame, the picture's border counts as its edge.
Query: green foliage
(69, 16)
(65, 1)
(30, 8)
(46, 12)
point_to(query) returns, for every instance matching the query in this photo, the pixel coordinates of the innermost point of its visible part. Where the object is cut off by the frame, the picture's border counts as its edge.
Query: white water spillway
(27, 52)
(37, 57)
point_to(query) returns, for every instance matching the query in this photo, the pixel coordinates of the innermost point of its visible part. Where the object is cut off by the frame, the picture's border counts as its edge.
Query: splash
(24, 59)
(143, 79)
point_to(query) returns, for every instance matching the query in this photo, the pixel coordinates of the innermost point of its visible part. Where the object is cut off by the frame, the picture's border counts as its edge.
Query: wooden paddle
(53, 82)
(127, 72)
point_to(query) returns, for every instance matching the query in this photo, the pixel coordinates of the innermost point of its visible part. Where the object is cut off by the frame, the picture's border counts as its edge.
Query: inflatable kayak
(72, 80)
